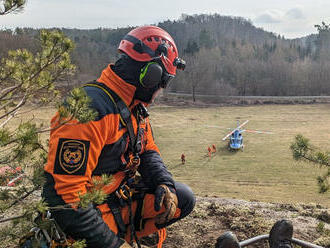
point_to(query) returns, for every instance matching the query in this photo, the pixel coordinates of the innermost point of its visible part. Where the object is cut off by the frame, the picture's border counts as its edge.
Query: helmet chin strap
(144, 94)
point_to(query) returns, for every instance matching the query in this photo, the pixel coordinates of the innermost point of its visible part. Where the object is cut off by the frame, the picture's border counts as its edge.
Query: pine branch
(313, 160)
(24, 196)
(4, 79)
(12, 218)
(11, 6)
(302, 150)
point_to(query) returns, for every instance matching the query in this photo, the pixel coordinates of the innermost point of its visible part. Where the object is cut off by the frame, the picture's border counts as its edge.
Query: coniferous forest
(225, 56)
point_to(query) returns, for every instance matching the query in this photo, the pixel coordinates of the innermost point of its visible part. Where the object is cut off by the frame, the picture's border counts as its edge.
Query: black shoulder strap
(125, 113)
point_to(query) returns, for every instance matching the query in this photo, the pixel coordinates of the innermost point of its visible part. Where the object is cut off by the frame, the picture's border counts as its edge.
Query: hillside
(225, 56)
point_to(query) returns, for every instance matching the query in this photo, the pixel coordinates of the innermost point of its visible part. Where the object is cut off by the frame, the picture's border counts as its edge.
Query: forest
(226, 56)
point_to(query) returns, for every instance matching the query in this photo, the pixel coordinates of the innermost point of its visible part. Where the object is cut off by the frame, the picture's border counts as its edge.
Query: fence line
(251, 99)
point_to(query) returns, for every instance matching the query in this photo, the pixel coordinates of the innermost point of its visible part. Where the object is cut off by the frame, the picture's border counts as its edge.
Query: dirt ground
(213, 216)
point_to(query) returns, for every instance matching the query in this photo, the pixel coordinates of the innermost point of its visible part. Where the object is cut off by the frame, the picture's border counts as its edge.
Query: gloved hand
(163, 195)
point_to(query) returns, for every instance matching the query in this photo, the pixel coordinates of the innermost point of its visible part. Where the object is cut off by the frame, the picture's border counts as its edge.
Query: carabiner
(125, 192)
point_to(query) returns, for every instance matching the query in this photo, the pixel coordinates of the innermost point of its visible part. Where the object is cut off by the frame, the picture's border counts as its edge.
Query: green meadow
(264, 171)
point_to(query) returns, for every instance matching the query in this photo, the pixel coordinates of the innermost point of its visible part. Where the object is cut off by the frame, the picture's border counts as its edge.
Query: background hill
(225, 56)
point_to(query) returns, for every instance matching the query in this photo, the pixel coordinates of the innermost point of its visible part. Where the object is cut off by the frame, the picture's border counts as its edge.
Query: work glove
(163, 196)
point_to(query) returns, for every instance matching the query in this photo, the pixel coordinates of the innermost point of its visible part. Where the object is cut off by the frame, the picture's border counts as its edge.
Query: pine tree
(11, 6)
(303, 150)
(27, 82)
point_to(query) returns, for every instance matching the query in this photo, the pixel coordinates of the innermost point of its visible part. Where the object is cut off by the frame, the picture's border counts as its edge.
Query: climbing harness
(124, 194)
(141, 112)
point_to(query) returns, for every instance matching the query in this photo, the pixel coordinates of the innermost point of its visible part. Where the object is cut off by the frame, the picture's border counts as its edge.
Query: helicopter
(236, 138)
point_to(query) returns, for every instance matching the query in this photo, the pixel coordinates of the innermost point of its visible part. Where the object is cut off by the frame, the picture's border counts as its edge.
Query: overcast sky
(291, 18)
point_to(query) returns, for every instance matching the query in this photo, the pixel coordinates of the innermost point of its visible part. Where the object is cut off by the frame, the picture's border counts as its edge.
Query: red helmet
(148, 43)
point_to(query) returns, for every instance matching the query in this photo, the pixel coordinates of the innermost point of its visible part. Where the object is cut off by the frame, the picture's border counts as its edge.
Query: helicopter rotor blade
(224, 138)
(257, 131)
(238, 128)
(244, 123)
(213, 126)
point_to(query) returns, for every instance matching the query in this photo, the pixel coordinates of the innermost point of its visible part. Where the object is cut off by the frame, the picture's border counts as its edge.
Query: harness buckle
(124, 192)
(132, 165)
(134, 160)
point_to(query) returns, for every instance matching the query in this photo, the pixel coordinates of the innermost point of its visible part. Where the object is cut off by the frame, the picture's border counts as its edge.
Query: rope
(161, 237)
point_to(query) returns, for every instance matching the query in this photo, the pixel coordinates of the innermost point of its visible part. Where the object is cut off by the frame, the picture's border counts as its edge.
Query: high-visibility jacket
(77, 151)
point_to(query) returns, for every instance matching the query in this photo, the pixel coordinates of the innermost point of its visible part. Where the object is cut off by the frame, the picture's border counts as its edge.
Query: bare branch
(6, 121)
(12, 218)
(11, 89)
(61, 123)
(20, 104)
(8, 88)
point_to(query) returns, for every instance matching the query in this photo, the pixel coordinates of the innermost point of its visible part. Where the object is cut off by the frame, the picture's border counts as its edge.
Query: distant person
(209, 151)
(120, 143)
(214, 149)
(183, 159)
(280, 236)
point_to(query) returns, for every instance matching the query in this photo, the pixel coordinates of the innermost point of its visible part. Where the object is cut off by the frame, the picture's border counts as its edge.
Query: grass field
(265, 171)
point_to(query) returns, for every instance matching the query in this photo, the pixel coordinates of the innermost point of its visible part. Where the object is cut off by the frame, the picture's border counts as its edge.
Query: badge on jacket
(71, 157)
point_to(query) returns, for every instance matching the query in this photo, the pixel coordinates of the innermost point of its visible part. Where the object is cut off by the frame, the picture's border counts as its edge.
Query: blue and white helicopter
(236, 138)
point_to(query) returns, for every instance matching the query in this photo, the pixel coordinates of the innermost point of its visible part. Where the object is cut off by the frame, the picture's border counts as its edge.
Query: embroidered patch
(71, 157)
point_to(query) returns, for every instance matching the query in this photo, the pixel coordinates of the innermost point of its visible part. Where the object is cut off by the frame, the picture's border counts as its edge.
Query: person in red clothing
(209, 151)
(214, 148)
(120, 143)
(183, 158)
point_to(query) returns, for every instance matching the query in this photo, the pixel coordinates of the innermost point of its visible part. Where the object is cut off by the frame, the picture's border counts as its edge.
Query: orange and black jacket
(77, 152)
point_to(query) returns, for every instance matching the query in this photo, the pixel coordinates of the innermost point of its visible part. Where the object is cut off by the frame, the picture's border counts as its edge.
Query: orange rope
(161, 237)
